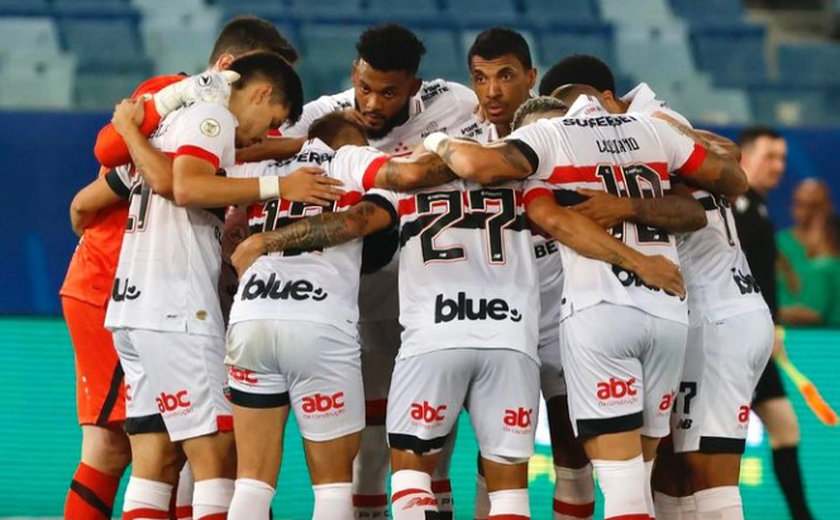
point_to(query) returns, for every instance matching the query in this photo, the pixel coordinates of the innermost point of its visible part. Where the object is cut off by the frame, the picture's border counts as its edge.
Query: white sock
(411, 495)
(211, 498)
(251, 500)
(649, 488)
(623, 484)
(141, 493)
(482, 498)
(510, 504)
(370, 474)
(720, 503)
(673, 508)
(184, 494)
(333, 501)
(688, 508)
(574, 493)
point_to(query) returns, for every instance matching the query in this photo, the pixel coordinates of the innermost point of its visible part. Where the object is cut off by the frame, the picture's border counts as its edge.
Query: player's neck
(502, 130)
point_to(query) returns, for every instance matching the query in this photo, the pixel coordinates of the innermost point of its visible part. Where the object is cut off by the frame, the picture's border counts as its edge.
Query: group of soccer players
(414, 249)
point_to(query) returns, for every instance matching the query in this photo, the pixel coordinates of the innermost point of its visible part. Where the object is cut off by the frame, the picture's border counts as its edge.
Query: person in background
(818, 303)
(810, 207)
(763, 158)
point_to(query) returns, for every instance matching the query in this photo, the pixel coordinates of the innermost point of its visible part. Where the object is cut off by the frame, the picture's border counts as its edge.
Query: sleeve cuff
(116, 184)
(694, 161)
(380, 201)
(200, 153)
(536, 193)
(369, 177)
(528, 152)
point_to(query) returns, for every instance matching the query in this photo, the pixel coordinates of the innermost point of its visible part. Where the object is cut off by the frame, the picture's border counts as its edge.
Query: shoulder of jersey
(342, 100)
(434, 91)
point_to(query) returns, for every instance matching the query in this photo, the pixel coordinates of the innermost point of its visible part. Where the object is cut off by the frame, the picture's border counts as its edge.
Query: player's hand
(309, 185)
(247, 252)
(605, 209)
(128, 115)
(354, 115)
(658, 271)
(207, 87)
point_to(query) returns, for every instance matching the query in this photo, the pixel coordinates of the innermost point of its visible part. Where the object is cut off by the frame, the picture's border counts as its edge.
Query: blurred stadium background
(64, 63)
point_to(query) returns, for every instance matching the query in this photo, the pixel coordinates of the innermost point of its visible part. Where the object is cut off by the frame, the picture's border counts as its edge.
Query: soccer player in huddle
(99, 215)
(397, 109)
(730, 335)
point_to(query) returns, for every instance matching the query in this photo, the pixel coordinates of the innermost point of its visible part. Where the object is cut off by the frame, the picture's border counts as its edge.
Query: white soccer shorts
(500, 389)
(552, 380)
(622, 368)
(723, 362)
(175, 376)
(312, 366)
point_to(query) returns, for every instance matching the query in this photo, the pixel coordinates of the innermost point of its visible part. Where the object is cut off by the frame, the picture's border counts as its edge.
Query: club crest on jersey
(463, 308)
(210, 127)
(274, 289)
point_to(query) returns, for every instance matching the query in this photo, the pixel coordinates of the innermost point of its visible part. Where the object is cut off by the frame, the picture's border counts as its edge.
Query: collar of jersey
(639, 96)
(586, 106)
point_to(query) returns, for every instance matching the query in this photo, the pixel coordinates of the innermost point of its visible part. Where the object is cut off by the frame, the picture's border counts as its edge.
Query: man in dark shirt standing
(763, 156)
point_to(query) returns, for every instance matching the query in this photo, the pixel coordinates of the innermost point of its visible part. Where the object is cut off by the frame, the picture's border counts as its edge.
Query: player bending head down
(538, 108)
(385, 76)
(267, 94)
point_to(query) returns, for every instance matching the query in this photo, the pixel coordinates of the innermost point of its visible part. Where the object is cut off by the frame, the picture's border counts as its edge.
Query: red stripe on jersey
(407, 206)
(200, 153)
(535, 193)
(349, 198)
(255, 211)
(370, 500)
(694, 161)
(578, 174)
(405, 492)
(369, 178)
(575, 510)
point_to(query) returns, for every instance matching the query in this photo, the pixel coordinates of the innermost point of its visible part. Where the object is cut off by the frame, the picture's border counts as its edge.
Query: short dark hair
(288, 89)
(330, 127)
(536, 105)
(248, 33)
(751, 134)
(498, 41)
(578, 68)
(391, 47)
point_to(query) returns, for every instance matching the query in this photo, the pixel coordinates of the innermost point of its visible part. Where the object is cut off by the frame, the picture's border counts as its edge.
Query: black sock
(786, 466)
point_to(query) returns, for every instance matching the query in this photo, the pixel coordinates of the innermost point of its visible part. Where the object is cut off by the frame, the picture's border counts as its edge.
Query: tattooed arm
(676, 213)
(588, 239)
(324, 230)
(484, 164)
(406, 174)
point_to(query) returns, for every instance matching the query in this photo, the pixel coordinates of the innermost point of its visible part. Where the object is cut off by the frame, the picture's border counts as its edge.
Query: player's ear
(353, 74)
(262, 93)
(532, 78)
(415, 85)
(224, 61)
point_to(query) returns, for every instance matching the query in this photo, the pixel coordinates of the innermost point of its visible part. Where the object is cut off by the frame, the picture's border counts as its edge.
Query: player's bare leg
(441, 485)
(157, 461)
(259, 452)
(507, 487)
(331, 468)
(673, 498)
(782, 426)
(574, 489)
(618, 460)
(411, 485)
(213, 462)
(106, 453)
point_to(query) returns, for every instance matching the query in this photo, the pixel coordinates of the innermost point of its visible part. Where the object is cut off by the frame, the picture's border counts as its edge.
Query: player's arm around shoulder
(581, 234)
(700, 162)
(484, 164)
(105, 191)
(154, 166)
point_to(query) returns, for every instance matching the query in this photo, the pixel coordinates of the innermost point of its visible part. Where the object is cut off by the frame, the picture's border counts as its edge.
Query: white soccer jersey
(628, 155)
(718, 278)
(319, 285)
(170, 258)
(467, 270)
(439, 106)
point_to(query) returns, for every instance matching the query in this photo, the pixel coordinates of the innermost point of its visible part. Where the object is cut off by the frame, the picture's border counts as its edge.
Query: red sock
(91, 495)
